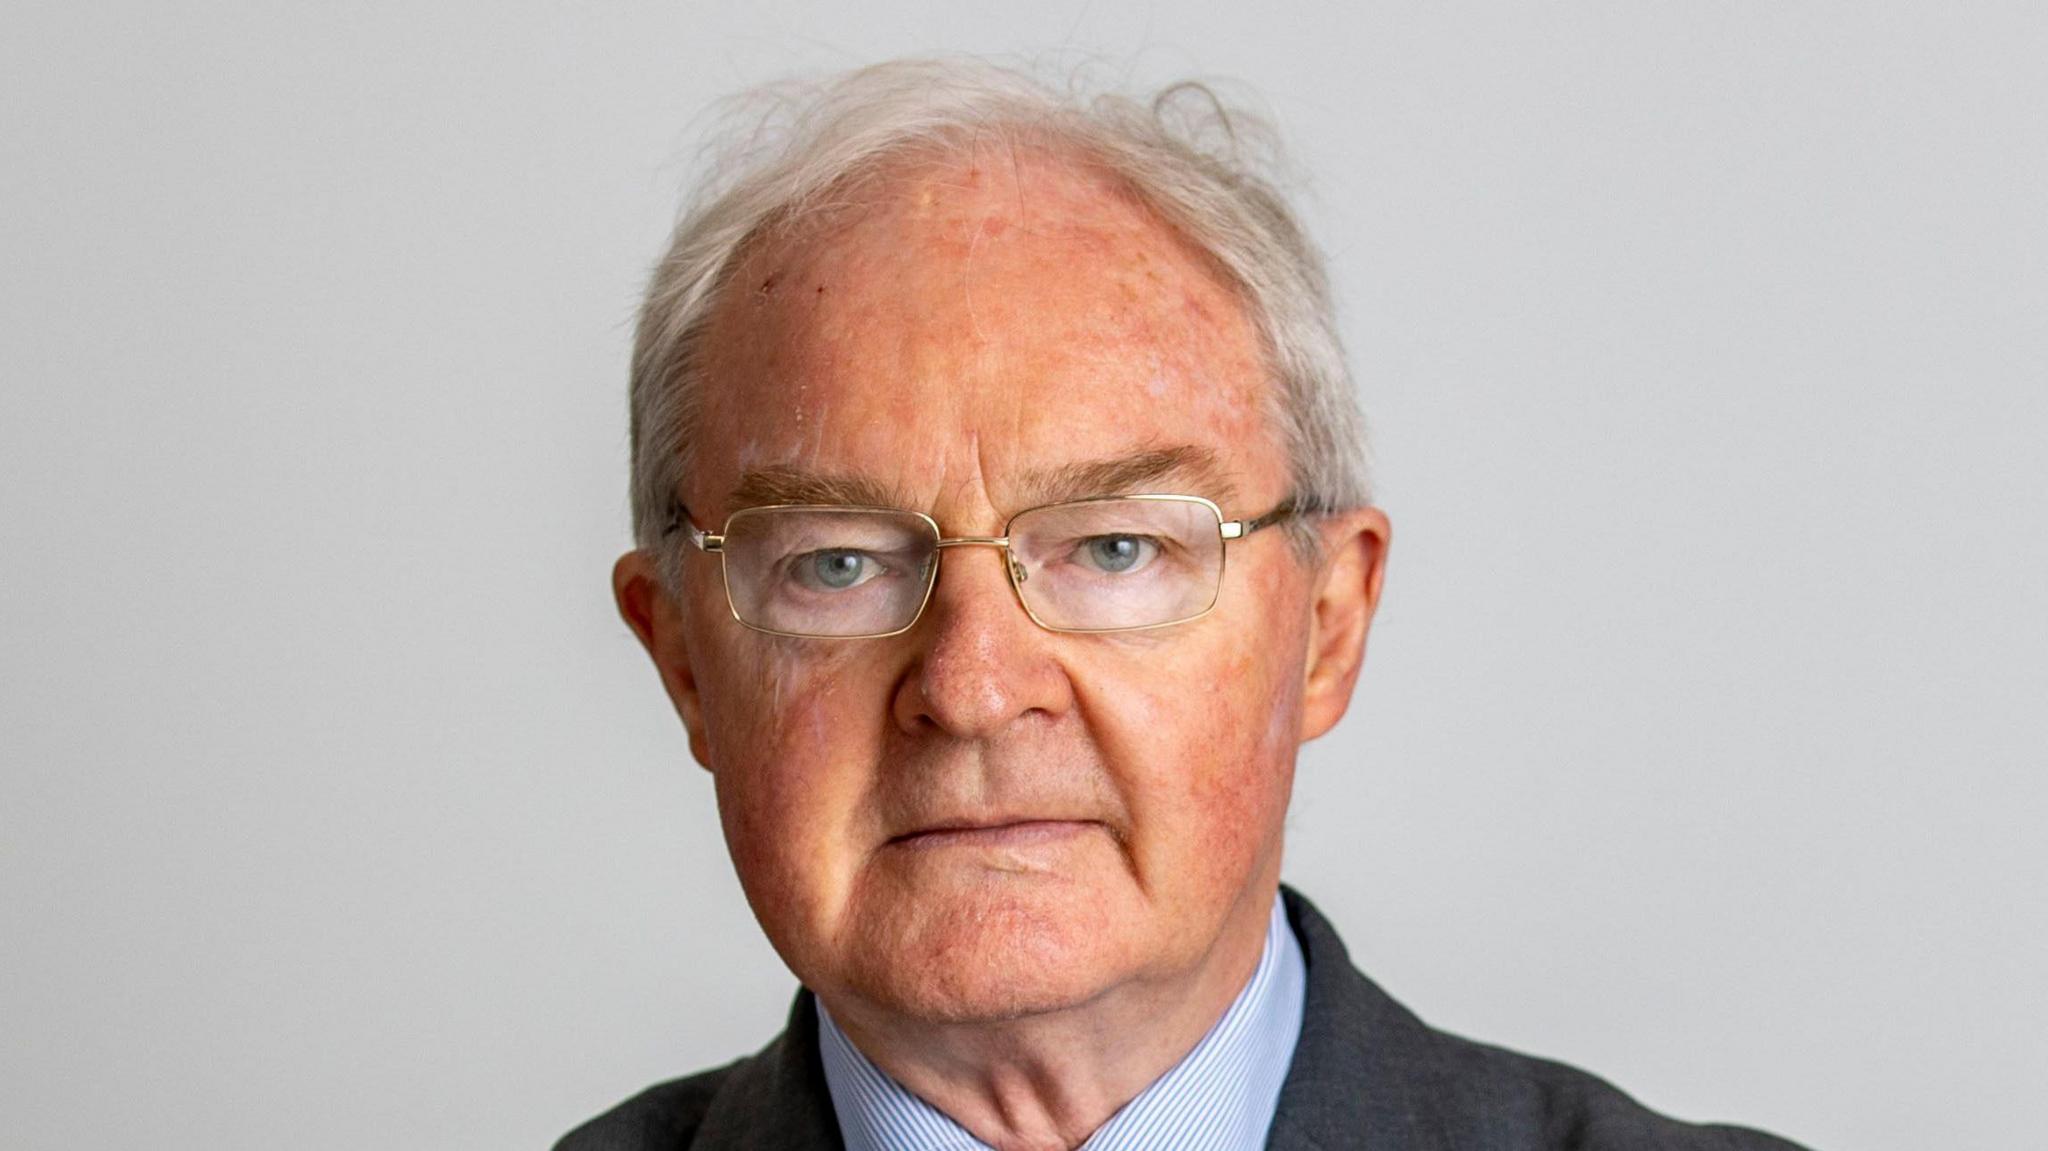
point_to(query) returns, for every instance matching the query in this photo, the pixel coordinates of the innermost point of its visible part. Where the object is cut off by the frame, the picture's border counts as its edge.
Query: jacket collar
(1364, 1070)
(777, 1100)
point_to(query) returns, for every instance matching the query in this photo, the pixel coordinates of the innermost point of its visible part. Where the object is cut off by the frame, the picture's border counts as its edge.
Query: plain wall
(1701, 741)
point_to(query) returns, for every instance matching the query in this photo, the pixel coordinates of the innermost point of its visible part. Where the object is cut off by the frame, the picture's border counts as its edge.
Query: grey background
(1701, 740)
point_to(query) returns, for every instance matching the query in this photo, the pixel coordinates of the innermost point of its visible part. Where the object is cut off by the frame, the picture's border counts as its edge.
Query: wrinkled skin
(969, 326)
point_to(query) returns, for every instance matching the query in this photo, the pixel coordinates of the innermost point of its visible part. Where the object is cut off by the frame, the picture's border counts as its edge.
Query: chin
(999, 952)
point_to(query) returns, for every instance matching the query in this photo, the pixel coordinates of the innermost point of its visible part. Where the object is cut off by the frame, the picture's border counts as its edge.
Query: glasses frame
(713, 543)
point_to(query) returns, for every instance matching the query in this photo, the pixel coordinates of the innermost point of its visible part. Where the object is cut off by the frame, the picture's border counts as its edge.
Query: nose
(981, 665)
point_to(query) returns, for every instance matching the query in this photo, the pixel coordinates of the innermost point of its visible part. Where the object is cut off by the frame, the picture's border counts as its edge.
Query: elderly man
(1003, 533)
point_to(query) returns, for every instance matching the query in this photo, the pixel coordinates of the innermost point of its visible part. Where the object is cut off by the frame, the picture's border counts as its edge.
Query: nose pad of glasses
(1017, 571)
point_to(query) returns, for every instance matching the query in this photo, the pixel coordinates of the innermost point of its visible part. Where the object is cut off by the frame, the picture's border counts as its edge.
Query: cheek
(1207, 753)
(1255, 698)
(784, 730)
(1244, 796)
(769, 699)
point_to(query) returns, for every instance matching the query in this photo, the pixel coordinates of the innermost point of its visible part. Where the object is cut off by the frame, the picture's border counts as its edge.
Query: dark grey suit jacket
(1367, 1075)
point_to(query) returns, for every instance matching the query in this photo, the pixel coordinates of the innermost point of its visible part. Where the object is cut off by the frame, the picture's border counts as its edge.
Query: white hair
(1203, 168)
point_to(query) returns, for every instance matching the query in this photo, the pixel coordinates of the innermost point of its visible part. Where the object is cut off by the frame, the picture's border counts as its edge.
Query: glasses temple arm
(1238, 529)
(679, 521)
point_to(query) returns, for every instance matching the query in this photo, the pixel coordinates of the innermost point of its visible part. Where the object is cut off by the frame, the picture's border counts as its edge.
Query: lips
(1006, 833)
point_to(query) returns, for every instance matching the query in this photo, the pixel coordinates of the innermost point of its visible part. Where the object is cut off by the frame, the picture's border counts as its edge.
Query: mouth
(1014, 833)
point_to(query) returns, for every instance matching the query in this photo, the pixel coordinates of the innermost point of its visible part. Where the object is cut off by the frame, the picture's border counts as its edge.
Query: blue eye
(1118, 553)
(837, 569)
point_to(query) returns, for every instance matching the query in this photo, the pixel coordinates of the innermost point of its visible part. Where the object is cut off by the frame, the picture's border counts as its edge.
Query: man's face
(980, 818)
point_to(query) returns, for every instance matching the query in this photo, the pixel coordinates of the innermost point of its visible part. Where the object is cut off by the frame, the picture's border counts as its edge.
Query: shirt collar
(1220, 1097)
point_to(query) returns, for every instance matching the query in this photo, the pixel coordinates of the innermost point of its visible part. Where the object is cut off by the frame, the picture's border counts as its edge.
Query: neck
(1046, 1082)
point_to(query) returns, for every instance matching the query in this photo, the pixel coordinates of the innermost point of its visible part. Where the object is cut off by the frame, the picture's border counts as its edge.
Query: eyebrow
(786, 485)
(1187, 466)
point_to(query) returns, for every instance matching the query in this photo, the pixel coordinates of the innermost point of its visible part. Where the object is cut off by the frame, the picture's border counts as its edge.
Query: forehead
(976, 326)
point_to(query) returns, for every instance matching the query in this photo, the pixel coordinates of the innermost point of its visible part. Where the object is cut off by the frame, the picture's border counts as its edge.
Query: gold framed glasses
(1113, 563)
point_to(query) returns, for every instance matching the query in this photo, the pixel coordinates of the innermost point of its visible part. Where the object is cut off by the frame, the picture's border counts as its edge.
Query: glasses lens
(828, 571)
(1100, 565)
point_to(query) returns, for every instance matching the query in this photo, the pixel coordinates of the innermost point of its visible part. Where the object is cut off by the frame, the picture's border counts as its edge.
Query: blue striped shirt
(1220, 1097)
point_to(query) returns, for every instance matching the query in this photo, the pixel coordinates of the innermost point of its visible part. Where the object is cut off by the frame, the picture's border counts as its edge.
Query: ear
(655, 616)
(1347, 591)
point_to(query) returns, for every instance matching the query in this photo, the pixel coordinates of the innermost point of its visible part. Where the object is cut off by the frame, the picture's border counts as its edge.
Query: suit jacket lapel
(777, 1100)
(1365, 1071)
